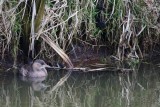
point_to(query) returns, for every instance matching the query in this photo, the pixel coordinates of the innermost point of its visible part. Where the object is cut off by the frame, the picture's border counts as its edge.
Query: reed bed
(127, 28)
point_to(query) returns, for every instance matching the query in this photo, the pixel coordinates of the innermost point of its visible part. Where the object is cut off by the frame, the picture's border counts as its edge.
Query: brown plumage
(36, 69)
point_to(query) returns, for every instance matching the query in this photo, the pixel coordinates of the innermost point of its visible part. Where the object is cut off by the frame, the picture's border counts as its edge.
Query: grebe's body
(36, 69)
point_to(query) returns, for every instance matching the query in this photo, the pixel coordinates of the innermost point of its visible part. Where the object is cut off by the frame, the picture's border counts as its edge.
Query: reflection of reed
(61, 81)
(126, 89)
(128, 82)
(93, 90)
(84, 91)
(136, 89)
(9, 94)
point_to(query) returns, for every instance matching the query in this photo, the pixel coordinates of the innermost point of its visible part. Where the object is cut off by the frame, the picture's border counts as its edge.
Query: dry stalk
(57, 49)
(128, 43)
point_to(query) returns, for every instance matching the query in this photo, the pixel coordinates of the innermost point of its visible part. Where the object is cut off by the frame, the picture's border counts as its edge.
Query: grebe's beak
(45, 66)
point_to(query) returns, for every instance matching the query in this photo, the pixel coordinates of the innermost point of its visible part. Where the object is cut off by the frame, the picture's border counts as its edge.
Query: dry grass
(119, 24)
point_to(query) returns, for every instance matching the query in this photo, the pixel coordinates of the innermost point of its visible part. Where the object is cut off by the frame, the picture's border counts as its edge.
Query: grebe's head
(39, 65)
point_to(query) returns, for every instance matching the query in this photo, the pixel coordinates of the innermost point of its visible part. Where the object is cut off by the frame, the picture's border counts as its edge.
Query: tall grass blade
(57, 49)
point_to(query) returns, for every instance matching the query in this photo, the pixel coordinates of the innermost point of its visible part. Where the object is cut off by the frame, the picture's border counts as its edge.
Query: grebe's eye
(43, 63)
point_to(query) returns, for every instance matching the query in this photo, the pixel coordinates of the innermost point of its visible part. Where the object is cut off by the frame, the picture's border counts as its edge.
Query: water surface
(141, 88)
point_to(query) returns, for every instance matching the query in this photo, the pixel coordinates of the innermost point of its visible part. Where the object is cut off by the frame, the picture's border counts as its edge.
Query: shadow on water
(141, 88)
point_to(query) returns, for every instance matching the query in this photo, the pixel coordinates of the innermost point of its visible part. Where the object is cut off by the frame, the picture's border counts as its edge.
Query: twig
(94, 70)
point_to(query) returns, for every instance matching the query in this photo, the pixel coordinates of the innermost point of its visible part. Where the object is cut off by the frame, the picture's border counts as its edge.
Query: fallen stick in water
(86, 69)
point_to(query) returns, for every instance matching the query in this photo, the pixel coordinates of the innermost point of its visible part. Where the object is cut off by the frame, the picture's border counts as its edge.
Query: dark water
(141, 88)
